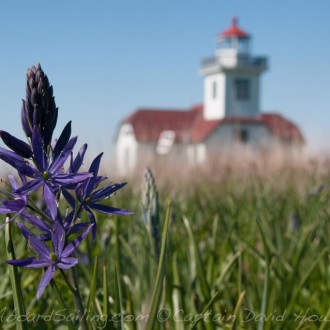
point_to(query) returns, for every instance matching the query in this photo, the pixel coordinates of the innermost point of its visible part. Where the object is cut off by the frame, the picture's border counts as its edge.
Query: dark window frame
(242, 135)
(242, 89)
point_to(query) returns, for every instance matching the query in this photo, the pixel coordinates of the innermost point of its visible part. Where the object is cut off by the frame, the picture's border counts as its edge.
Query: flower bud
(40, 108)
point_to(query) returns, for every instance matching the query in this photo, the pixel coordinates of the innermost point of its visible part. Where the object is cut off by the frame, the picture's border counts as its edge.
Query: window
(126, 130)
(243, 45)
(227, 43)
(214, 89)
(242, 89)
(165, 142)
(242, 135)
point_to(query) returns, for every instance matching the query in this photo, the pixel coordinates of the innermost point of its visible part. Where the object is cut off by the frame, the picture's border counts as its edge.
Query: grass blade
(15, 281)
(176, 293)
(237, 310)
(205, 309)
(118, 297)
(265, 288)
(92, 289)
(199, 264)
(160, 275)
(105, 290)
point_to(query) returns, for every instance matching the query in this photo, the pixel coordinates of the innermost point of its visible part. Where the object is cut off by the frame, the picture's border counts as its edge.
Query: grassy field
(244, 250)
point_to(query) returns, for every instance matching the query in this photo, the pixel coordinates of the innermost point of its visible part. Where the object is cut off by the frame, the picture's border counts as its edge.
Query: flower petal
(15, 205)
(70, 247)
(50, 200)
(39, 263)
(23, 178)
(30, 187)
(79, 227)
(29, 263)
(67, 263)
(67, 221)
(17, 162)
(49, 274)
(59, 161)
(63, 139)
(25, 121)
(71, 178)
(77, 162)
(69, 198)
(20, 147)
(36, 222)
(4, 210)
(49, 128)
(103, 193)
(26, 232)
(13, 182)
(89, 186)
(58, 238)
(109, 209)
(39, 246)
(94, 168)
(38, 152)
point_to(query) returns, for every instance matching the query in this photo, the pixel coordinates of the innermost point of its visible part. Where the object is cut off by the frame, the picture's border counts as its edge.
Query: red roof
(281, 127)
(234, 31)
(148, 124)
(190, 126)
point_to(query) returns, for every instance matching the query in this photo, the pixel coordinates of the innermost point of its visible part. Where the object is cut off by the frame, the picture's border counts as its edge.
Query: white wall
(214, 108)
(223, 138)
(126, 149)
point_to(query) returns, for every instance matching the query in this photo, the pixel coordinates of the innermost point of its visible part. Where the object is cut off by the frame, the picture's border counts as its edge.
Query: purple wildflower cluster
(40, 166)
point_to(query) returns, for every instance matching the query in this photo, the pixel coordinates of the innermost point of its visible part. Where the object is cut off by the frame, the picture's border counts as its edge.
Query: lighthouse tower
(232, 77)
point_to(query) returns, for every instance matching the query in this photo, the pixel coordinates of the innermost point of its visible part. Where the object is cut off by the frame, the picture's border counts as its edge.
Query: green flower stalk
(150, 208)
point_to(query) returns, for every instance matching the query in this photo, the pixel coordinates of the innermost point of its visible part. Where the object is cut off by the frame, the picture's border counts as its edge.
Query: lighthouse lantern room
(232, 77)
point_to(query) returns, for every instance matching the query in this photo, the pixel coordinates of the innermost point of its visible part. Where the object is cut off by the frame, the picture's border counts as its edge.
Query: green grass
(240, 253)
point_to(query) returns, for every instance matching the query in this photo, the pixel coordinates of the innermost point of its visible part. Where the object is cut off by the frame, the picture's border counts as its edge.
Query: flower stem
(21, 322)
(81, 311)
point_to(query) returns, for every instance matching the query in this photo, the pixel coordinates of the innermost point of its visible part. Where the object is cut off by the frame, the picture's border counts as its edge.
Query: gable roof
(190, 126)
(148, 124)
(282, 128)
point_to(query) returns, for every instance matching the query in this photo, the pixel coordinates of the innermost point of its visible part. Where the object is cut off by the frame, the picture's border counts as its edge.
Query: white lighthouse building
(232, 77)
(229, 120)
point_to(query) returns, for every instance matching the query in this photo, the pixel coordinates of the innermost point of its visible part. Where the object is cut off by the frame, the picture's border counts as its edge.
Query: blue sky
(107, 58)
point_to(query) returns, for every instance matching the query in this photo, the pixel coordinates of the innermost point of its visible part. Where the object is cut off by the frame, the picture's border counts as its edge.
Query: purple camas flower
(47, 174)
(40, 163)
(89, 196)
(57, 257)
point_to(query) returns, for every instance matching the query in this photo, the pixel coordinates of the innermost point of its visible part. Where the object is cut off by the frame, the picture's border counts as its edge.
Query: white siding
(200, 153)
(214, 107)
(224, 138)
(127, 149)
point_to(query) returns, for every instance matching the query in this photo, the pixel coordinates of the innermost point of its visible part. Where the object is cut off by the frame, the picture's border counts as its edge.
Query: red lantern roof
(234, 31)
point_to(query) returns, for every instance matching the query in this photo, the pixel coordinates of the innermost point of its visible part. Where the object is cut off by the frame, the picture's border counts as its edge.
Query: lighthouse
(228, 122)
(232, 77)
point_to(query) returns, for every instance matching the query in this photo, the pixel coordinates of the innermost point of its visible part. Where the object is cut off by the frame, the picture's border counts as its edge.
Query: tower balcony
(242, 62)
